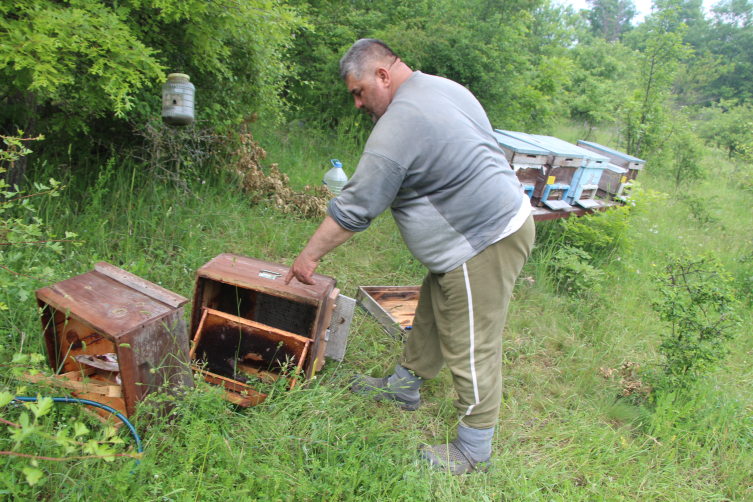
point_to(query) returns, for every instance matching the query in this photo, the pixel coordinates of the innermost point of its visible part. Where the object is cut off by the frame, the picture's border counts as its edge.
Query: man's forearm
(327, 237)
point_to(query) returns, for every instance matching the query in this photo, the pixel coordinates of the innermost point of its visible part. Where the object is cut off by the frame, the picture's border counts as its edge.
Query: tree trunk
(25, 120)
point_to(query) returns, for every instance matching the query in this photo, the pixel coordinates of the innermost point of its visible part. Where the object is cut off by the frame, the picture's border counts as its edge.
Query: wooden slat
(70, 382)
(234, 387)
(258, 326)
(543, 214)
(197, 338)
(141, 285)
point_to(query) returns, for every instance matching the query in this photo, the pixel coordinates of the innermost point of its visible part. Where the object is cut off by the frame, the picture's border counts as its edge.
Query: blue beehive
(554, 181)
(526, 159)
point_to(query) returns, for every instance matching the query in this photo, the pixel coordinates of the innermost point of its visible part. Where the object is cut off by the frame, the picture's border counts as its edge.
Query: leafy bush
(699, 210)
(696, 299)
(573, 272)
(600, 233)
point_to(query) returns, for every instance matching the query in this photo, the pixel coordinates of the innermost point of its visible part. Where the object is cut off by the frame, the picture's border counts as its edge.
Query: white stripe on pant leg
(473, 340)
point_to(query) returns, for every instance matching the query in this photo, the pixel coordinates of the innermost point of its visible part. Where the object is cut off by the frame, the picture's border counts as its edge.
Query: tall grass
(564, 432)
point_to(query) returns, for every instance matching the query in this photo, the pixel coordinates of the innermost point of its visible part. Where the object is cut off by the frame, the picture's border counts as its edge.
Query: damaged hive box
(112, 337)
(248, 326)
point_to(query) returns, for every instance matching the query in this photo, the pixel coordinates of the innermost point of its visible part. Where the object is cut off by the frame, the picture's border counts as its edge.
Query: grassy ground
(563, 433)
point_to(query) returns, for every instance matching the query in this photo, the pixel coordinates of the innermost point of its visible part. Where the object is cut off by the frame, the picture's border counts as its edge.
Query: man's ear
(383, 75)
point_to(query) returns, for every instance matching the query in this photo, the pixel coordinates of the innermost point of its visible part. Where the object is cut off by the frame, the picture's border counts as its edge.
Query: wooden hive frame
(273, 348)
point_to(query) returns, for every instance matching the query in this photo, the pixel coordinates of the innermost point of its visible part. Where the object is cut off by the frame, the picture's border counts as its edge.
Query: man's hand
(303, 269)
(327, 237)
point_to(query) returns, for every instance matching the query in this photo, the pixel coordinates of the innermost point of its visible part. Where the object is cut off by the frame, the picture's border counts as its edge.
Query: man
(432, 158)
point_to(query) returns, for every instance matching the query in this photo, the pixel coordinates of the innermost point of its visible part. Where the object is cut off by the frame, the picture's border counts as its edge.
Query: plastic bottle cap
(336, 163)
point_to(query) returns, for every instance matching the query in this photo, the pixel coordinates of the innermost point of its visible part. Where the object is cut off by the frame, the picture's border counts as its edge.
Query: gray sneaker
(453, 458)
(379, 389)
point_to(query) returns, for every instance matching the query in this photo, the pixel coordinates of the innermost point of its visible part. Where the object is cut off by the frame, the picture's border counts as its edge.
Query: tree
(610, 19)
(82, 66)
(660, 50)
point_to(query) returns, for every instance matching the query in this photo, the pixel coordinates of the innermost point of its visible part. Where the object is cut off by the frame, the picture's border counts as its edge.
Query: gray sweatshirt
(433, 160)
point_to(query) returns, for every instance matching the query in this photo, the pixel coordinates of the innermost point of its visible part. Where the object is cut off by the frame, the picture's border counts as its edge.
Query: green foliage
(21, 228)
(697, 301)
(599, 81)
(601, 233)
(78, 54)
(699, 209)
(610, 19)
(687, 152)
(25, 434)
(660, 48)
(728, 127)
(573, 272)
(476, 43)
(83, 65)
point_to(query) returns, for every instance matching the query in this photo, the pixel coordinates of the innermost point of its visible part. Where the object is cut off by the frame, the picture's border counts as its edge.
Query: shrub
(696, 299)
(573, 272)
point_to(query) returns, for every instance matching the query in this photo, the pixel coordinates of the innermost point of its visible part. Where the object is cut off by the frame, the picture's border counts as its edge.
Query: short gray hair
(362, 55)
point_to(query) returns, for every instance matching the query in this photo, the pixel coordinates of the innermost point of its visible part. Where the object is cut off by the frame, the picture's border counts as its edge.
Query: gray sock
(404, 384)
(478, 441)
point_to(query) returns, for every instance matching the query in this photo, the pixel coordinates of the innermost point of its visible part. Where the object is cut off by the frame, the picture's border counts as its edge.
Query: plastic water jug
(335, 179)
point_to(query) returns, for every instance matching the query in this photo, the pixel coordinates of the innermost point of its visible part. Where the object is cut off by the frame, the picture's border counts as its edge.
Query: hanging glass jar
(177, 100)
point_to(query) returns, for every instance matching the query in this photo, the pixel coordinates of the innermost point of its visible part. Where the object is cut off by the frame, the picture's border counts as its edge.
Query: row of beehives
(113, 337)
(559, 175)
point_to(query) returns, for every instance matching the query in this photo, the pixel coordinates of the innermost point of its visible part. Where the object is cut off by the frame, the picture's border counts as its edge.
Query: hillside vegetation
(618, 385)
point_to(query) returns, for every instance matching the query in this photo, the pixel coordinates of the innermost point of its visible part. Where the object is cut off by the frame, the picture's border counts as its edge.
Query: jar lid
(178, 75)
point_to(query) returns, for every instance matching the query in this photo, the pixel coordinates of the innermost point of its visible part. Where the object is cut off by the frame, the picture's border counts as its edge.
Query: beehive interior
(68, 338)
(277, 312)
(246, 353)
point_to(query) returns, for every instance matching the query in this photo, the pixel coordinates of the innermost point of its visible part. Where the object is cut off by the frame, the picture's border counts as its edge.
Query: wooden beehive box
(394, 307)
(526, 159)
(613, 182)
(632, 164)
(254, 290)
(110, 311)
(553, 183)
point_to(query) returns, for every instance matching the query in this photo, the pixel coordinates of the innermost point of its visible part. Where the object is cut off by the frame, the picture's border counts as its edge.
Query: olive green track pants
(460, 321)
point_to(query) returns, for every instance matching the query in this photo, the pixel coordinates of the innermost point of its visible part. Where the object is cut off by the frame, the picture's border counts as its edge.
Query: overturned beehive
(249, 327)
(112, 337)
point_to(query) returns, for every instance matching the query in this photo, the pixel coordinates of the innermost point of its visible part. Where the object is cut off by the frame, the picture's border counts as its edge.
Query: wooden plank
(197, 337)
(258, 326)
(401, 304)
(141, 285)
(102, 303)
(234, 387)
(326, 323)
(543, 214)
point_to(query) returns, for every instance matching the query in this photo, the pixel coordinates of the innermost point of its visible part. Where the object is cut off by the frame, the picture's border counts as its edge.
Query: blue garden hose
(96, 405)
